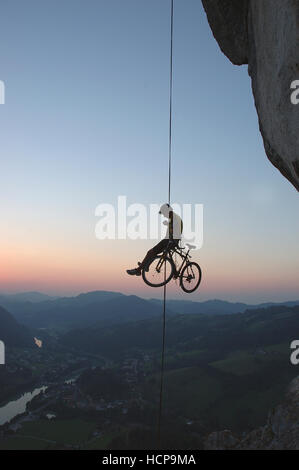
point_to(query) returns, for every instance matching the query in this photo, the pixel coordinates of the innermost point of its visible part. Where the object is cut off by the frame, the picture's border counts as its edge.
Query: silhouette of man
(174, 233)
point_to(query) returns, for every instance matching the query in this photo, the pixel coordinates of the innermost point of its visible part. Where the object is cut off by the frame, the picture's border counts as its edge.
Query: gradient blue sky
(86, 120)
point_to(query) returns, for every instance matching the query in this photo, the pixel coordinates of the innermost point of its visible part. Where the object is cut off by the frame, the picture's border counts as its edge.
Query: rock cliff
(281, 431)
(265, 35)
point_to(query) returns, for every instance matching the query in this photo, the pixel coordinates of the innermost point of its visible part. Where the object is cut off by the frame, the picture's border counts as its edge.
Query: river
(18, 406)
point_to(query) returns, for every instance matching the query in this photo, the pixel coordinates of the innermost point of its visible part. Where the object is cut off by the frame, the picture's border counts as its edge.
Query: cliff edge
(265, 35)
(281, 431)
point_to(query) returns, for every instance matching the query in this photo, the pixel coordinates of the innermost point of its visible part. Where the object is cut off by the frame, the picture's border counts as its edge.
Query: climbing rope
(169, 192)
(170, 102)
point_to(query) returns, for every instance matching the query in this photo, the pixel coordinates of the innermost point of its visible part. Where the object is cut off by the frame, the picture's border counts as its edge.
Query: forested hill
(12, 333)
(215, 334)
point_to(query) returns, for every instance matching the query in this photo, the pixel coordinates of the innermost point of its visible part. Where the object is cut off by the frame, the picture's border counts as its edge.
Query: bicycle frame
(170, 251)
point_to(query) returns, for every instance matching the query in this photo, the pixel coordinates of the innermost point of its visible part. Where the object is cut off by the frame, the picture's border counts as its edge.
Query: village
(61, 394)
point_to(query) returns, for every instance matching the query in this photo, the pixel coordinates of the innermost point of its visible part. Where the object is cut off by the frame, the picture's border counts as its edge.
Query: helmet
(165, 209)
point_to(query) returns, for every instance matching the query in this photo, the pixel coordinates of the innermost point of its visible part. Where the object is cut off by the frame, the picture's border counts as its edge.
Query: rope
(162, 368)
(170, 101)
(169, 191)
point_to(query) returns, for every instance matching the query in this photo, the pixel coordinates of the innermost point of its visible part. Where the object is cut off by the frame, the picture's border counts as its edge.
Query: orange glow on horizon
(71, 268)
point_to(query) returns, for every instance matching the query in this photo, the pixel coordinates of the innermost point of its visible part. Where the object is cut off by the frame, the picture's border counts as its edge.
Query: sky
(85, 120)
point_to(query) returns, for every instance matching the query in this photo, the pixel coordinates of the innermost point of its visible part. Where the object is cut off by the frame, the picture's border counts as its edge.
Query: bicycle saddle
(191, 247)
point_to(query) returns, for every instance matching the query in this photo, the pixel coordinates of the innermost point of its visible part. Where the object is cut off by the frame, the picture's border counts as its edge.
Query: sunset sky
(86, 120)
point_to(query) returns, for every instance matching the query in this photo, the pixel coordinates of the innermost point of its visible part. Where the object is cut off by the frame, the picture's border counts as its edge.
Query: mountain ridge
(108, 306)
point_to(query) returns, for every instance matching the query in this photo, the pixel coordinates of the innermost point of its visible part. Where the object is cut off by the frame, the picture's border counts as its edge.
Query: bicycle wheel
(159, 271)
(190, 277)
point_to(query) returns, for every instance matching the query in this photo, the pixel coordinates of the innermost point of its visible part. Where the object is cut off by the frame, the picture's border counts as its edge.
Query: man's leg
(149, 257)
(153, 252)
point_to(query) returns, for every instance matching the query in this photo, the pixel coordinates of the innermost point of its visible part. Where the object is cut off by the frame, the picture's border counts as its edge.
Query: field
(23, 443)
(235, 392)
(45, 434)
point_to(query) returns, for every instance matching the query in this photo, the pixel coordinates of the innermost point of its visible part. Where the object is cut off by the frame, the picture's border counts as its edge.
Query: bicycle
(163, 268)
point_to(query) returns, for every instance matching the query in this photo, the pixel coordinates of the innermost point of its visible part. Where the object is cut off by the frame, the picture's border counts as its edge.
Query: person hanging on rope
(173, 235)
